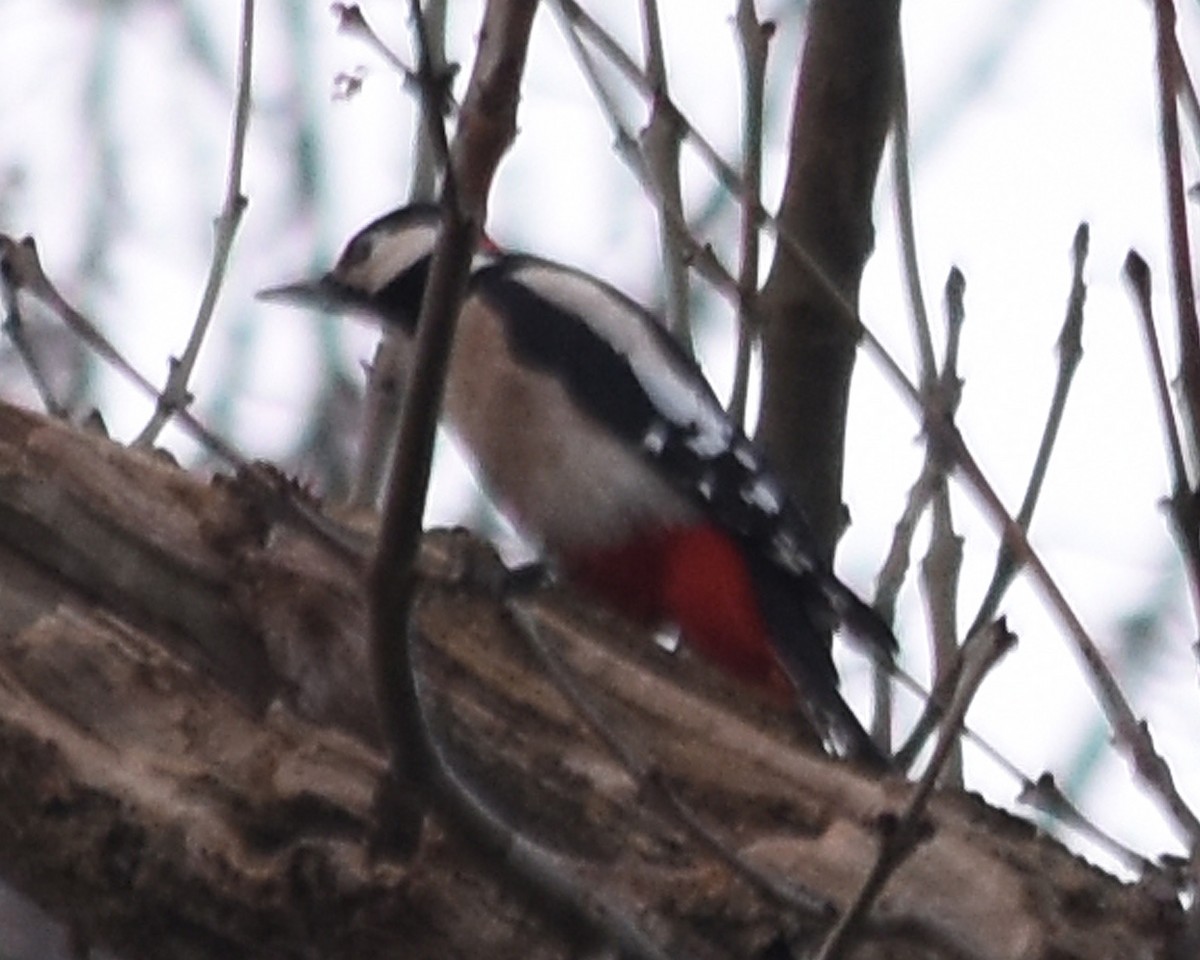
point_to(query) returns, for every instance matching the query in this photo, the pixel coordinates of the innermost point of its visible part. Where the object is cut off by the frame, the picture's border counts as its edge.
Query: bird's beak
(325, 293)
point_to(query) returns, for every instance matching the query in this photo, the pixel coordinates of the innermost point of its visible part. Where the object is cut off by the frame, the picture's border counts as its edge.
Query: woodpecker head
(381, 273)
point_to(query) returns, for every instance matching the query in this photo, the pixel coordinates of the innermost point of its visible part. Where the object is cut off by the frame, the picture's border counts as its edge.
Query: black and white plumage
(606, 446)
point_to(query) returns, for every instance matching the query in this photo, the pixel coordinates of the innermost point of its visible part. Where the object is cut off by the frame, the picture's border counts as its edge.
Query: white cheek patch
(391, 254)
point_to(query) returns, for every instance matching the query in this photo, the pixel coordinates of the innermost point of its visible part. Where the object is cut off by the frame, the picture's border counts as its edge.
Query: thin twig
(902, 181)
(353, 21)
(894, 570)
(943, 559)
(174, 396)
(929, 484)
(1181, 505)
(14, 327)
(899, 839)
(1187, 324)
(418, 761)
(428, 163)
(940, 570)
(1040, 794)
(625, 143)
(649, 780)
(1070, 352)
(754, 41)
(554, 881)
(661, 142)
(434, 87)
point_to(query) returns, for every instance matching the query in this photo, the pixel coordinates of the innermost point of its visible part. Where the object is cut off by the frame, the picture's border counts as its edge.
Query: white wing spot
(655, 439)
(711, 438)
(764, 494)
(746, 456)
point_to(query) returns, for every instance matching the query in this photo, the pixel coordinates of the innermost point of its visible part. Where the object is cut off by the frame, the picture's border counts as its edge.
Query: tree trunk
(845, 94)
(190, 768)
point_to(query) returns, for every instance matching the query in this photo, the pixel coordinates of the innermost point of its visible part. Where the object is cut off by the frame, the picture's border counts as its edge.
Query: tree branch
(191, 757)
(843, 108)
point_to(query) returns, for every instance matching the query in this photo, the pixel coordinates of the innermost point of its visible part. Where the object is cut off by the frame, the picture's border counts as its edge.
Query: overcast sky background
(1028, 116)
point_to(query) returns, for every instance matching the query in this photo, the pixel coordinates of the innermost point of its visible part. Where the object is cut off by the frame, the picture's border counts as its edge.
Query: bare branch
(754, 40)
(14, 327)
(487, 125)
(175, 396)
(939, 577)
(902, 181)
(895, 567)
(1187, 324)
(1182, 506)
(557, 883)
(1070, 352)
(661, 142)
(898, 840)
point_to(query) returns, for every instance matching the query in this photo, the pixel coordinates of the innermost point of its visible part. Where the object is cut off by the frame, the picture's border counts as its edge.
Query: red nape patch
(697, 579)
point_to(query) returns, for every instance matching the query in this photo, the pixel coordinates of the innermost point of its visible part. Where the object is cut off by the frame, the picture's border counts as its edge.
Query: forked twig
(352, 21)
(895, 567)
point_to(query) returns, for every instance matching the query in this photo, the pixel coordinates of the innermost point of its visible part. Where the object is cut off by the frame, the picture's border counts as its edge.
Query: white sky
(1027, 118)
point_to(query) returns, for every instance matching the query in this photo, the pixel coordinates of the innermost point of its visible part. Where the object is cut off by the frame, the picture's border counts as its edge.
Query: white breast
(559, 476)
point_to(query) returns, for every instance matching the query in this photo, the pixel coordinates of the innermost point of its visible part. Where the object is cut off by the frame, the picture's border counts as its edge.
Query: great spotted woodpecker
(606, 446)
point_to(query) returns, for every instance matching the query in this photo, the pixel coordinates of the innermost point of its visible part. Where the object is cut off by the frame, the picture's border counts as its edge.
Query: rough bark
(188, 758)
(842, 111)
